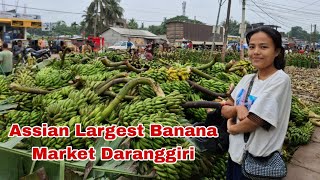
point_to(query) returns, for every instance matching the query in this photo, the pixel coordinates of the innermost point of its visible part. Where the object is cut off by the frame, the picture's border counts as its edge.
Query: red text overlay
(110, 133)
(159, 156)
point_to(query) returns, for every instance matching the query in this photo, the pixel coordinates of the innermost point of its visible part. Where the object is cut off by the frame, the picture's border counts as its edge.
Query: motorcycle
(39, 55)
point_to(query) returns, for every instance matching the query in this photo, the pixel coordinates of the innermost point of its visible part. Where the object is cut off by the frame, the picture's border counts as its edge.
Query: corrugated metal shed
(133, 32)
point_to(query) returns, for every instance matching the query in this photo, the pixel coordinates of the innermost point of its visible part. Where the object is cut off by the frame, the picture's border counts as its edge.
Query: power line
(293, 16)
(65, 12)
(307, 5)
(280, 16)
(269, 15)
(285, 7)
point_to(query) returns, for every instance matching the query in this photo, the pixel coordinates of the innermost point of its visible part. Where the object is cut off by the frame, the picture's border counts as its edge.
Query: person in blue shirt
(129, 45)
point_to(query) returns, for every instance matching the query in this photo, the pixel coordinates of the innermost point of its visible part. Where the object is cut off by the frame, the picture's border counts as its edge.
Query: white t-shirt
(270, 99)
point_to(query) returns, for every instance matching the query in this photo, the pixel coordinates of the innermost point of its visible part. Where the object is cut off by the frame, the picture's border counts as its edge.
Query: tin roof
(133, 32)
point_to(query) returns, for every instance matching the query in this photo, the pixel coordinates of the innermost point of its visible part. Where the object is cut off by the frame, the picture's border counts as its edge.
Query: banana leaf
(17, 163)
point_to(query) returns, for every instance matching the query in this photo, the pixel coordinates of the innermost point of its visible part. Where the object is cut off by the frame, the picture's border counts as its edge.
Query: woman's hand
(229, 124)
(228, 111)
(242, 112)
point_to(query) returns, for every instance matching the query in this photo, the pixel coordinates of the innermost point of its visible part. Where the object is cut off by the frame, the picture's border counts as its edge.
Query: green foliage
(133, 24)
(299, 33)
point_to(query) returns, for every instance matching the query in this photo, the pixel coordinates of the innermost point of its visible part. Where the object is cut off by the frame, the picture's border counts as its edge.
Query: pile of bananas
(25, 79)
(23, 118)
(242, 67)
(4, 89)
(52, 78)
(4, 134)
(169, 104)
(218, 67)
(181, 86)
(178, 73)
(299, 115)
(228, 77)
(61, 111)
(165, 119)
(185, 169)
(213, 85)
(299, 135)
(24, 100)
(159, 75)
(87, 69)
(220, 167)
(196, 114)
(61, 143)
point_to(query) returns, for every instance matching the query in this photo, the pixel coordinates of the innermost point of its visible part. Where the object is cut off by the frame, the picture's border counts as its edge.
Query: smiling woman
(261, 104)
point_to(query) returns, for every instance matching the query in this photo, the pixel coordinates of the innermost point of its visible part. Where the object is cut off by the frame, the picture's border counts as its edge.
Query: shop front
(13, 26)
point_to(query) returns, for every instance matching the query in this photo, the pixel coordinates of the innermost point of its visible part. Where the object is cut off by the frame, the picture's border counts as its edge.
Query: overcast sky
(284, 13)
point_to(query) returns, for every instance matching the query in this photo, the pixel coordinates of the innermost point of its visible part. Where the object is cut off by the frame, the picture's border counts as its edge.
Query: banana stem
(118, 67)
(111, 83)
(205, 90)
(167, 65)
(205, 66)
(105, 61)
(112, 94)
(17, 87)
(85, 59)
(200, 73)
(201, 104)
(63, 56)
(235, 69)
(112, 78)
(132, 68)
(230, 64)
(78, 82)
(106, 113)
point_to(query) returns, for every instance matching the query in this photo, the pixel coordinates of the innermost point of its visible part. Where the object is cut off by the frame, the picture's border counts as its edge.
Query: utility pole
(243, 29)
(315, 36)
(184, 5)
(223, 55)
(96, 19)
(3, 6)
(213, 47)
(311, 35)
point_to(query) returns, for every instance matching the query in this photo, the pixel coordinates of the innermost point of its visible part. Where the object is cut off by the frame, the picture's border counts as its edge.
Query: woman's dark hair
(5, 45)
(279, 61)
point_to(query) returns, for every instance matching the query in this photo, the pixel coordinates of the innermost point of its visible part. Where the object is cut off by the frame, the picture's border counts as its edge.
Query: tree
(133, 24)
(299, 33)
(234, 26)
(109, 12)
(184, 19)
(158, 30)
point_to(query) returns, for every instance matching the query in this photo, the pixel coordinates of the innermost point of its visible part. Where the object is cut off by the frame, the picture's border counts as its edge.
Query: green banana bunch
(299, 135)
(4, 89)
(182, 86)
(218, 67)
(298, 114)
(25, 79)
(24, 100)
(51, 78)
(61, 111)
(159, 75)
(196, 114)
(220, 167)
(4, 135)
(20, 117)
(214, 85)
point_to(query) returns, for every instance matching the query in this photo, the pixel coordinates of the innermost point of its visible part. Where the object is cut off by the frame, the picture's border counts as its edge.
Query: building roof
(133, 32)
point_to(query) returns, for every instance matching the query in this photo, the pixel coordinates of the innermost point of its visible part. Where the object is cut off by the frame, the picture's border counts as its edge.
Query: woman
(266, 114)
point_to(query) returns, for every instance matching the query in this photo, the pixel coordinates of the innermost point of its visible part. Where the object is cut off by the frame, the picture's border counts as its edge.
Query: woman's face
(262, 51)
